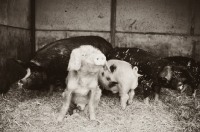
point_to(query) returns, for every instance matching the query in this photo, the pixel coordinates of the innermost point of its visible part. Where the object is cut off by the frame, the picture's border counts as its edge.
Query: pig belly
(80, 99)
(81, 91)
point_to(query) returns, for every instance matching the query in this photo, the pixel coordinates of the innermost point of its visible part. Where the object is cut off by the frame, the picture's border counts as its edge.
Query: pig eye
(107, 78)
(102, 73)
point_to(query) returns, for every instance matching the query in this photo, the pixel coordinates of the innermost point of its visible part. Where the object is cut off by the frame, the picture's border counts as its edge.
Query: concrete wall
(45, 37)
(161, 26)
(197, 19)
(15, 13)
(161, 16)
(65, 18)
(162, 45)
(15, 29)
(73, 15)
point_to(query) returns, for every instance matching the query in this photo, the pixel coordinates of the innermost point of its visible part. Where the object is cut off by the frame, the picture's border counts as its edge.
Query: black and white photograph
(99, 65)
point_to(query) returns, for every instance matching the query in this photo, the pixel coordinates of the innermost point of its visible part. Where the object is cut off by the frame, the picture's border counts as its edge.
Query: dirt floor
(36, 112)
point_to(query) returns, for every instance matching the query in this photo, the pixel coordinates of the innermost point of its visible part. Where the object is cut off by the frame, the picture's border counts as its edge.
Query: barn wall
(65, 18)
(197, 18)
(163, 45)
(161, 16)
(14, 29)
(45, 37)
(160, 26)
(163, 27)
(14, 43)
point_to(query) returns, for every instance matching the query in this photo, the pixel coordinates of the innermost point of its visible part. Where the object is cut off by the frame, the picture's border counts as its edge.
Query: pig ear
(166, 72)
(21, 63)
(75, 60)
(106, 67)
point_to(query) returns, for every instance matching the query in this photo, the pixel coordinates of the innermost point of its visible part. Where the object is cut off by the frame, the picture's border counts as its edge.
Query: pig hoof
(158, 102)
(97, 121)
(59, 119)
(76, 111)
(146, 101)
(92, 117)
(130, 102)
(123, 107)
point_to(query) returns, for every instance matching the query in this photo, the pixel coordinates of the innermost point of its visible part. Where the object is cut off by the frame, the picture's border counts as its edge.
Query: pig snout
(20, 84)
(100, 60)
(23, 80)
(81, 106)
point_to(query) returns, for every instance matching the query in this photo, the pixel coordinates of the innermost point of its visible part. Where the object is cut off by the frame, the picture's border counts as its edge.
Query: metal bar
(33, 43)
(113, 21)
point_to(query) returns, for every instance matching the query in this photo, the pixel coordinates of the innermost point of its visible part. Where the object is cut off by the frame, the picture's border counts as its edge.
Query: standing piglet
(84, 65)
(120, 77)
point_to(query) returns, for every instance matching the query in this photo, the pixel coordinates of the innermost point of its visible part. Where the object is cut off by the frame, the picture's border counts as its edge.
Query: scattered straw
(37, 112)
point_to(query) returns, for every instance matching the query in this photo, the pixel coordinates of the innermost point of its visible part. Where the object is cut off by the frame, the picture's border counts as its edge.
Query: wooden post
(113, 21)
(33, 45)
(193, 8)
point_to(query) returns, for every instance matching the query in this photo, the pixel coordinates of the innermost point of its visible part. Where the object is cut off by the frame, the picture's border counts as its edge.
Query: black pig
(193, 67)
(157, 72)
(10, 72)
(49, 65)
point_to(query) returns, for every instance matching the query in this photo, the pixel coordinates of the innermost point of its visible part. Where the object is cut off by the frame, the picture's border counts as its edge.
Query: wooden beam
(193, 9)
(113, 21)
(33, 43)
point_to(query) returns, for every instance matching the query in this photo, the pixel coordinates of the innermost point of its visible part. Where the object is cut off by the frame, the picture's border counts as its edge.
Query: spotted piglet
(120, 77)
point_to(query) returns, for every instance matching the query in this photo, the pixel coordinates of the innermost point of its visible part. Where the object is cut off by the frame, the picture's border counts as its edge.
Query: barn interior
(163, 27)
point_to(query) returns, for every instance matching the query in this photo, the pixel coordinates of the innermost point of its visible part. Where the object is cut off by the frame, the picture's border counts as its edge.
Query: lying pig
(84, 65)
(10, 72)
(47, 68)
(193, 67)
(120, 77)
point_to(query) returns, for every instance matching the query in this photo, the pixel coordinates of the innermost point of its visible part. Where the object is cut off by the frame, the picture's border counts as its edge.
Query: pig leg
(146, 94)
(131, 95)
(97, 97)
(156, 89)
(51, 87)
(123, 93)
(91, 105)
(66, 104)
(124, 98)
(86, 109)
(132, 92)
(194, 93)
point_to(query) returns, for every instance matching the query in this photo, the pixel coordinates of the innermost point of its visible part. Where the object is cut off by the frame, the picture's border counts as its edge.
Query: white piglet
(120, 77)
(84, 66)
